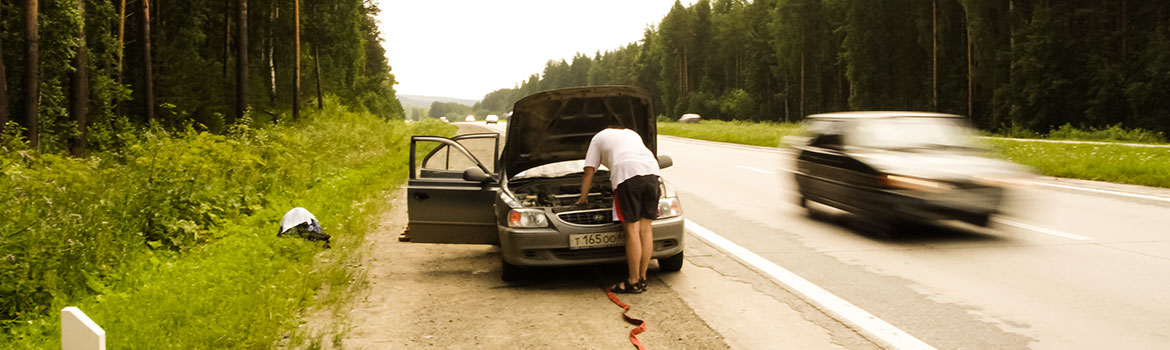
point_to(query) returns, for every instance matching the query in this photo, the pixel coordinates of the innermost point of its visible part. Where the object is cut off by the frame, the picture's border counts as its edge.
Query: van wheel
(671, 264)
(509, 272)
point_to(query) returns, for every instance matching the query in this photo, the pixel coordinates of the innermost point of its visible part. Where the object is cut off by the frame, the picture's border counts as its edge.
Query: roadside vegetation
(169, 241)
(742, 132)
(1147, 166)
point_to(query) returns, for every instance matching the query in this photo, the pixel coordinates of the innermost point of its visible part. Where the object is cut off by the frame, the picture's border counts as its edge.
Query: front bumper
(972, 206)
(549, 246)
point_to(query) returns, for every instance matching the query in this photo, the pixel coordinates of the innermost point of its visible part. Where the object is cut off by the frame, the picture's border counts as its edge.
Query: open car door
(451, 193)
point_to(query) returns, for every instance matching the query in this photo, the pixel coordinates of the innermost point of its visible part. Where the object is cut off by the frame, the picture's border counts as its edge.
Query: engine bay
(560, 194)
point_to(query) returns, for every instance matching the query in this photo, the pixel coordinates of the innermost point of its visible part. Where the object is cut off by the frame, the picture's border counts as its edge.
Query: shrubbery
(169, 241)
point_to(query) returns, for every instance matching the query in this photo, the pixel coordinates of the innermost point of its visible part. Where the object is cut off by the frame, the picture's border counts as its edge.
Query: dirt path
(451, 296)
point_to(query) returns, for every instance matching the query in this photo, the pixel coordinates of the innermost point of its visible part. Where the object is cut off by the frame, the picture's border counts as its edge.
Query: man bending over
(633, 173)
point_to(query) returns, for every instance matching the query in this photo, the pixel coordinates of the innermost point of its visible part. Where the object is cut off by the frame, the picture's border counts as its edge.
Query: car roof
(880, 114)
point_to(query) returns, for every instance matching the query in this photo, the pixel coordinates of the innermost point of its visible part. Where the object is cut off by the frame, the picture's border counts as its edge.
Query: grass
(1146, 166)
(170, 242)
(1112, 163)
(747, 133)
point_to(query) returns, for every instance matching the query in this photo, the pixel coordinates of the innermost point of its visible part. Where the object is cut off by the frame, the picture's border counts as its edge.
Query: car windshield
(908, 133)
(554, 169)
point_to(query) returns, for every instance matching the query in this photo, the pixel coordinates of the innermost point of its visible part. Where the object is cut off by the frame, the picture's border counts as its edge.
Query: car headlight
(527, 218)
(669, 208)
(915, 184)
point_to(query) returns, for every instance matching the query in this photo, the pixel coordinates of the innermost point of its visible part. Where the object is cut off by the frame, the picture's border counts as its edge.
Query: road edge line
(845, 310)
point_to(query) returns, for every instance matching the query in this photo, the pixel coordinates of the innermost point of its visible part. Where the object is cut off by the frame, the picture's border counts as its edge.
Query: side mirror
(476, 174)
(664, 161)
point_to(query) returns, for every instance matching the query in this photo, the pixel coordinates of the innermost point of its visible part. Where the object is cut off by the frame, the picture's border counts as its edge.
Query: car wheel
(671, 264)
(509, 272)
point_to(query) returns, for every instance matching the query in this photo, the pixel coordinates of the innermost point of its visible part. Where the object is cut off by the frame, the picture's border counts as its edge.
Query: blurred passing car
(491, 119)
(470, 118)
(690, 118)
(898, 167)
(462, 190)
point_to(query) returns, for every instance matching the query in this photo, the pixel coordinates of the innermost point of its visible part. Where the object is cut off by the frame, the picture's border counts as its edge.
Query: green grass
(747, 133)
(170, 242)
(1147, 166)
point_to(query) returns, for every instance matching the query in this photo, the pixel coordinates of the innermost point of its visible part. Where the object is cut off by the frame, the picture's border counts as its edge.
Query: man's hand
(584, 198)
(586, 184)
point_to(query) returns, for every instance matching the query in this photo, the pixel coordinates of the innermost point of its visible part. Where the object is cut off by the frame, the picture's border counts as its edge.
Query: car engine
(561, 194)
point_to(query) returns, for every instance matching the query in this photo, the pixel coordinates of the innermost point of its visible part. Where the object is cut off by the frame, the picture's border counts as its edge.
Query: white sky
(468, 48)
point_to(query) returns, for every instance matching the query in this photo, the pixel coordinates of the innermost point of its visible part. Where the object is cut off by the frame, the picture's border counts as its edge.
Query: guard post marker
(78, 332)
(641, 325)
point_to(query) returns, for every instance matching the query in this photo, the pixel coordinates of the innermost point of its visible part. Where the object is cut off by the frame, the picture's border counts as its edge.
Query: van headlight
(527, 218)
(669, 208)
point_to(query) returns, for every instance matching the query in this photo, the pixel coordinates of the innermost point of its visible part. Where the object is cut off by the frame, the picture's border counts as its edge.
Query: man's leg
(633, 251)
(646, 234)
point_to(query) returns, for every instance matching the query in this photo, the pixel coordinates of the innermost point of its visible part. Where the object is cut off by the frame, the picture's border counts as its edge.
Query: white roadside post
(78, 332)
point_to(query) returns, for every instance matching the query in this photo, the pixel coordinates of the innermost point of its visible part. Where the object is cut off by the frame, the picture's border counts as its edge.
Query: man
(633, 173)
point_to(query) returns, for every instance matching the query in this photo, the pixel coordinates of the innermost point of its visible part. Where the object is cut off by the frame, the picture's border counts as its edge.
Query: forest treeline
(78, 72)
(1007, 64)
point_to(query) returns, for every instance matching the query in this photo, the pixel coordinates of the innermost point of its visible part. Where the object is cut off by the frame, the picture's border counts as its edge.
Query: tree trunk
(934, 53)
(970, 78)
(79, 90)
(3, 92)
(32, 76)
(296, 98)
(241, 58)
(146, 56)
(317, 60)
(121, 38)
(227, 37)
(270, 68)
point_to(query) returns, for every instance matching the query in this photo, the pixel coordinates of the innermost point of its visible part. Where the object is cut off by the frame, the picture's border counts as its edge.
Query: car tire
(671, 264)
(510, 273)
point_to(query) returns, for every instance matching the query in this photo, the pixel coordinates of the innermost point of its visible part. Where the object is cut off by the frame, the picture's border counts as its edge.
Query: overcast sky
(468, 48)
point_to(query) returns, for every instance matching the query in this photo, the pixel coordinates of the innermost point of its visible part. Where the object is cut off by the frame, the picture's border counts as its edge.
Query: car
(690, 118)
(469, 118)
(463, 189)
(893, 168)
(491, 119)
(444, 119)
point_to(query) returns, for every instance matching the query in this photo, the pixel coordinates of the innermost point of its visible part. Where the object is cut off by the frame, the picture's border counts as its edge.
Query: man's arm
(586, 184)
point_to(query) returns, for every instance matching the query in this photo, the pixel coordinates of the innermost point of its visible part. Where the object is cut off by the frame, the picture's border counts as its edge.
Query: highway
(1065, 267)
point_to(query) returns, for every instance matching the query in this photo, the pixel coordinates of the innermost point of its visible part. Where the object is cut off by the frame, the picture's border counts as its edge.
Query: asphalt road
(1063, 268)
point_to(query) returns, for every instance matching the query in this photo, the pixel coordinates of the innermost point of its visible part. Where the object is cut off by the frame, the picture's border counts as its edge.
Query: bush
(1112, 133)
(169, 241)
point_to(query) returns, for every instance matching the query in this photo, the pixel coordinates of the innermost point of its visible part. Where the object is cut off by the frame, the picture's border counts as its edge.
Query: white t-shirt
(622, 151)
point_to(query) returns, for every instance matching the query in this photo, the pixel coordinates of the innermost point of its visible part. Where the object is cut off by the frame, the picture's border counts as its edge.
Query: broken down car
(465, 190)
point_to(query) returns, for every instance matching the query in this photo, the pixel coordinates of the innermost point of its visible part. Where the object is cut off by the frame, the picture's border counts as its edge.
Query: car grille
(588, 217)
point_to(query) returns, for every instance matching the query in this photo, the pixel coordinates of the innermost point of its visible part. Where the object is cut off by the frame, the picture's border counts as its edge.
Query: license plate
(597, 240)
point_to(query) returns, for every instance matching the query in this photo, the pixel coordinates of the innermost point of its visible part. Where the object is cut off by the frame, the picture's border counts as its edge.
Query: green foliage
(1147, 166)
(170, 242)
(767, 134)
(1111, 133)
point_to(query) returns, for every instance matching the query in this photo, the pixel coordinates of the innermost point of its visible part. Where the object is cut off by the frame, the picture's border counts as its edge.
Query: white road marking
(758, 170)
(1086, 189)
(869, 323)
(1041, 230)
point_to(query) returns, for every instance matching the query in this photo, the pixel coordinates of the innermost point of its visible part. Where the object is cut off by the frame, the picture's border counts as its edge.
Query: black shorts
(637, 198)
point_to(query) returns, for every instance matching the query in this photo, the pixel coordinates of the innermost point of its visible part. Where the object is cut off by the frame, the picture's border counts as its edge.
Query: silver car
(463, 190)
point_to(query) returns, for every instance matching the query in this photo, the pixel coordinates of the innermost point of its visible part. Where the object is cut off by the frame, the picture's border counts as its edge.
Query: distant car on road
(444, 119)
(690, 118)
(898, 167)
(469, 118)
(491, 119)
(523, 199)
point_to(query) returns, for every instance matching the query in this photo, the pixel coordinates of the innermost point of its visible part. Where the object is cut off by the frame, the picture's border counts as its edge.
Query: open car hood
(557, 125)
